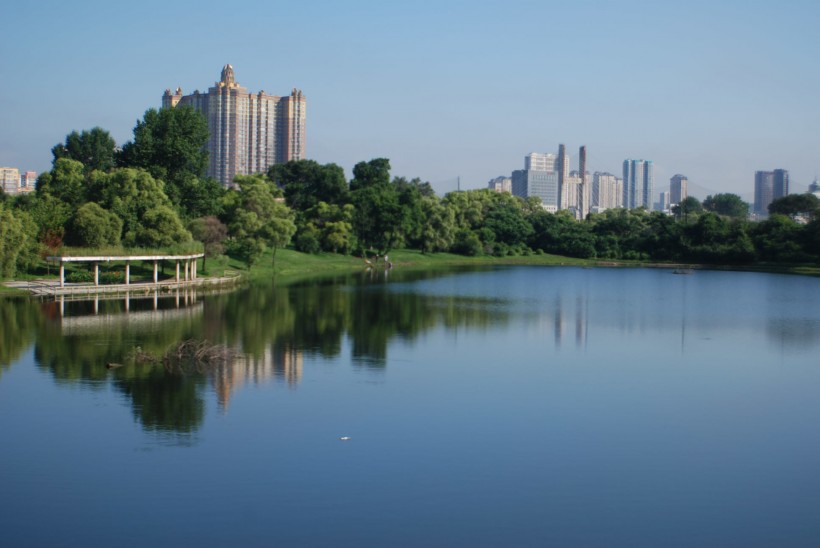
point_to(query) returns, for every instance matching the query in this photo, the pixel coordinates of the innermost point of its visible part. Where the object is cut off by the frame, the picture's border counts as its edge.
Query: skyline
(715, 91)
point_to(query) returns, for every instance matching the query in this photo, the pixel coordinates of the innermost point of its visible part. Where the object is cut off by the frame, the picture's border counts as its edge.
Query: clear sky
(711, 89)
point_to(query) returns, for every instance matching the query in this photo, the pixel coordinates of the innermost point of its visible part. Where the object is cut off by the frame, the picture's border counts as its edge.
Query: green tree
(332, 227)
(561, 234)
(258, 217)
(439, 229)
(93, 148)
(378, 214)
(306, 183)
(199, 197)
(160, 226)
(778, 239)
(212, 233)
(170, 144)
(688, 206)
(131, 194)
(278, 228)
(728, 205)
(66, 182)
(795, 205)
(12, 241)
(93, 226)
(376, 172)
(507, 221)
(50, 215)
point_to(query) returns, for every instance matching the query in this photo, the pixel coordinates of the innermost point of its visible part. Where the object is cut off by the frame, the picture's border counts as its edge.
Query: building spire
(227, 75)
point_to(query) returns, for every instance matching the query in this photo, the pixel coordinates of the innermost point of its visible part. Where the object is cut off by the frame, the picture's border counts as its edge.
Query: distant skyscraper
(539, 161)
(607, 191)
(28, 180)
(781, 183)
(678, 188)
(663, 203)
(563, 171)
(9, 180)
(574, 195)
(638, 184)
(583, 193)
(501, 184)
(543, 184)
(814, 188)
(769, 186)
(249, 132)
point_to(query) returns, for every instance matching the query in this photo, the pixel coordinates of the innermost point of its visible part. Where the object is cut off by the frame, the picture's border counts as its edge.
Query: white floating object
(345, 438)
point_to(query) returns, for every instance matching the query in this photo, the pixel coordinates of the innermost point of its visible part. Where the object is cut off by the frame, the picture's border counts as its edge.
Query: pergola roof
(109, 258)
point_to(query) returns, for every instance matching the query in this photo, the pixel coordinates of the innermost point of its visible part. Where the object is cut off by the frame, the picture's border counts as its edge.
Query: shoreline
(293, 266)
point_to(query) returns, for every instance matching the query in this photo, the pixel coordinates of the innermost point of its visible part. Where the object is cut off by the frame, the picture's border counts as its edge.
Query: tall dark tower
(562, 173)
(582, 189)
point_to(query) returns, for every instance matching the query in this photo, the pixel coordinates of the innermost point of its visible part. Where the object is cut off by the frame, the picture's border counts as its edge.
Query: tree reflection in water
(273, 327)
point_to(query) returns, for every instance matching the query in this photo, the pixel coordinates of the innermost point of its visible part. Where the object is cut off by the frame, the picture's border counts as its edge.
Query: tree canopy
(170, 144)
(796, 204)
(94, 148)
(728, 205)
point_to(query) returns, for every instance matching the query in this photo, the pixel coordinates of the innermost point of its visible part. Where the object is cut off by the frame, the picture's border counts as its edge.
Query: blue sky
(714, 90)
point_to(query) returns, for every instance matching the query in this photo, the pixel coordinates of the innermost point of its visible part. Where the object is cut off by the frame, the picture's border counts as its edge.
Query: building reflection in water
(275, 364)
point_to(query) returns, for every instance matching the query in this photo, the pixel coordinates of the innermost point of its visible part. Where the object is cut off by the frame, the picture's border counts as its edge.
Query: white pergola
(188, 262)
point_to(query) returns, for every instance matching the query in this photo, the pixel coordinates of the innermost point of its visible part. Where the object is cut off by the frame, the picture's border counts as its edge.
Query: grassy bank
(293, 265)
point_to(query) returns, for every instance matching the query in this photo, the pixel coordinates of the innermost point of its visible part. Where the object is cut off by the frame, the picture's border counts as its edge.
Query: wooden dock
(76, 291)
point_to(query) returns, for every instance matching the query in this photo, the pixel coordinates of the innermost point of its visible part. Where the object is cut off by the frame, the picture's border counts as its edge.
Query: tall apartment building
(678, 189)
(539, 161)
(543, 184)
(607, 191)
(9, 180)
(249, 132)
(663, 202)
(500, 184)
(574, 195)
(638, 184)
(814, 187)
(769, 186)
(548, 177)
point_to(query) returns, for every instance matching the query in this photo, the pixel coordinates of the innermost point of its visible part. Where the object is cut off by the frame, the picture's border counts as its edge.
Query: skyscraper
(607, 191)
(563, 171)
(638, 184)
(500, 184)
(678, 189)
(249, 132)
(780, 186)
(769, 186)
(543, 184)
(539, 161)
(9, 180)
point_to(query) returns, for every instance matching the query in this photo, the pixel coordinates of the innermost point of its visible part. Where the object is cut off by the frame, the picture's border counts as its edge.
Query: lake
(514, 406)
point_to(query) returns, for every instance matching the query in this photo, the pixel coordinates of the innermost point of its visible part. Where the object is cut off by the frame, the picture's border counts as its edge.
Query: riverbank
(292, 265)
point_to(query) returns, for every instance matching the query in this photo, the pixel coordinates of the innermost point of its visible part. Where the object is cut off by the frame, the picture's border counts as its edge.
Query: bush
(79, 276)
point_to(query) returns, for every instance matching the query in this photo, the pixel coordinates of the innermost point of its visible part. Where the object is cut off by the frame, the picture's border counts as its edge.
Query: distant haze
(714, 90)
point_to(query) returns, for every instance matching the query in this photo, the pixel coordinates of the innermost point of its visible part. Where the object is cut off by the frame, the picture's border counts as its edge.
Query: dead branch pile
(190, 356)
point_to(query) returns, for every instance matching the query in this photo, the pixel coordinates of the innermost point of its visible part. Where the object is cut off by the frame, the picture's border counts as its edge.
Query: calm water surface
(506, 407)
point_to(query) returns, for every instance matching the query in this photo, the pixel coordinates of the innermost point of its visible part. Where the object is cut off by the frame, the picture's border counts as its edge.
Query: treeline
(153, 193)
(375, 212)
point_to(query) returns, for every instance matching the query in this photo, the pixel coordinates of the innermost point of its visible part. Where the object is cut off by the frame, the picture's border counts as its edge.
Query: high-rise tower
(249, 132)
(678, 188)
(769, 186)
(638, 183)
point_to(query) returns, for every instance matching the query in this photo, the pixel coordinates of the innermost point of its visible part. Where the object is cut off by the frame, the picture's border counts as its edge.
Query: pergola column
(177, 275)
(96, 273)
(156, 272)
(62, 274)
(127, 272)
(187, 268)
